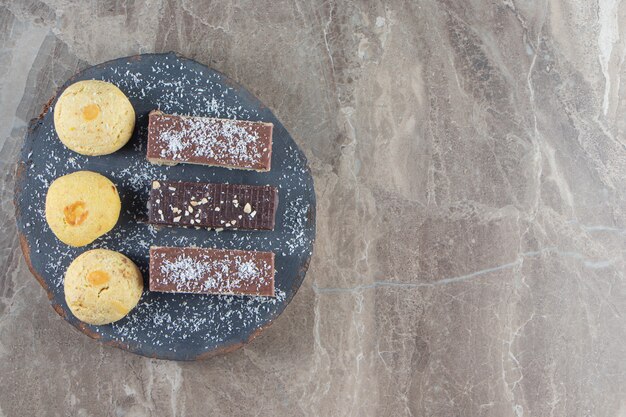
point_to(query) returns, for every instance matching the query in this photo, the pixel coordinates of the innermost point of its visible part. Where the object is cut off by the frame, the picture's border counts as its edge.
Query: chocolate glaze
(216, 206)
(211, 271)
(207, 141)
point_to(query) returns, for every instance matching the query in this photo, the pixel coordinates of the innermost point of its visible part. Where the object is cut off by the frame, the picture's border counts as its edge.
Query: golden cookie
(94, 118)
(82, 206)
(102, 286)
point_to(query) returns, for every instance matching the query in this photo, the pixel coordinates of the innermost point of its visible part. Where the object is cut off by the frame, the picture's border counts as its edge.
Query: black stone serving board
(169, 326)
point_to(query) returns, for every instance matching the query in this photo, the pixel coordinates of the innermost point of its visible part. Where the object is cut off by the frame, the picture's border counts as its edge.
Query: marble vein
(589, 263)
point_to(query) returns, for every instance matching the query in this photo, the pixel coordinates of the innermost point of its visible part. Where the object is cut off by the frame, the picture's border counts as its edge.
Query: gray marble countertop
(469, 160)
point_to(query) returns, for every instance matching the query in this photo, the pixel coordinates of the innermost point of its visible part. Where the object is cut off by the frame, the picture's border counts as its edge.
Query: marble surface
(469, 160)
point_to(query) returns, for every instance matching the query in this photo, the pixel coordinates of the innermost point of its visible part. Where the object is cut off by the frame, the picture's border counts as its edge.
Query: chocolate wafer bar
(216, 206)
(211, 271)
(226, 143)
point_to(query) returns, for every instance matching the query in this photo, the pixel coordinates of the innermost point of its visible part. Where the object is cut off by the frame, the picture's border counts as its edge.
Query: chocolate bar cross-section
(211, 271)
(226, 143)
(216, 206)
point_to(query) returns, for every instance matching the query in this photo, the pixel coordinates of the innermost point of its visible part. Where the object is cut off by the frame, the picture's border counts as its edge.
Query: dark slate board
(169, 326)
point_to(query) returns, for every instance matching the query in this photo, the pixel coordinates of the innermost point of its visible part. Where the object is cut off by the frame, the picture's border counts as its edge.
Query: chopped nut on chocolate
(178, 203)
(156, 185)
(177, 218)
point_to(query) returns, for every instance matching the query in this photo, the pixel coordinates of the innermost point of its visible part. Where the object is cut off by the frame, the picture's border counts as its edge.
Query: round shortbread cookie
(94, 118)
(82, 206)
(102, 286)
